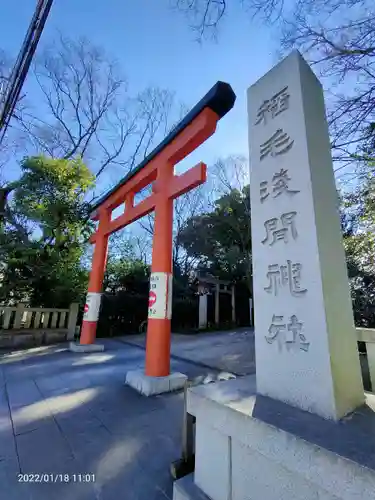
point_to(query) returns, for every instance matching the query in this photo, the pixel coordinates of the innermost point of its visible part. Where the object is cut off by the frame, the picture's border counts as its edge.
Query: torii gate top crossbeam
(157, 168)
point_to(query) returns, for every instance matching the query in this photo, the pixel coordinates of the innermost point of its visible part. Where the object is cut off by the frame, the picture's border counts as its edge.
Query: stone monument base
(150, 386)
(250, 447)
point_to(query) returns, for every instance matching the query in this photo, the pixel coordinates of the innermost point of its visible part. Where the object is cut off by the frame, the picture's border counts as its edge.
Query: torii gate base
(156, 170)
(150, 386)
(74, 347)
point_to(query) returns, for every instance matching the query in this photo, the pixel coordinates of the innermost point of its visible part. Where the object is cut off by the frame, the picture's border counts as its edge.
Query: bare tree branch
(204, 15)
(12, 141)
(87, 110)
(338, 38)
(80, 87)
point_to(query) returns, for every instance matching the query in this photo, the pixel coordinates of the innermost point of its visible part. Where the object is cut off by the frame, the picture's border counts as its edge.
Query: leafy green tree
(45, 231)
(221, 239)
(126, 274)
(358, 221)
(50, 196)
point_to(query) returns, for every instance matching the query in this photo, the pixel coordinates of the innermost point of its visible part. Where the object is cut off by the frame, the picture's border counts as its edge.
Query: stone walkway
(232, 351)
(70, 429)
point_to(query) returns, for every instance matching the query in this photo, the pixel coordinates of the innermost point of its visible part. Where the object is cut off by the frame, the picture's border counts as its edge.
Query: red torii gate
(157, 169)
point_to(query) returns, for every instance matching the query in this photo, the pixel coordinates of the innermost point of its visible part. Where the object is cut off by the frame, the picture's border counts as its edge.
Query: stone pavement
(231, 351)
(65, 415)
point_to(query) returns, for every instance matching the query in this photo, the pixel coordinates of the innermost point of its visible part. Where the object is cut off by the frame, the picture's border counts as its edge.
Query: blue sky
(155, 46)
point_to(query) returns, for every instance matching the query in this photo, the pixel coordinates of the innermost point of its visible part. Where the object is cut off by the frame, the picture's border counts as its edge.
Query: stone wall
(15, 339)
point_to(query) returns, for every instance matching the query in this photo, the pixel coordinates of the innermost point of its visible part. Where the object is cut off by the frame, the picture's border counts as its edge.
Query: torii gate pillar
(159, 328)
(158, 170)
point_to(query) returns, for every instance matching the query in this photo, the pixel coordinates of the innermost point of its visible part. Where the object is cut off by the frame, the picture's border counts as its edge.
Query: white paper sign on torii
(160, 298)
(92, 306)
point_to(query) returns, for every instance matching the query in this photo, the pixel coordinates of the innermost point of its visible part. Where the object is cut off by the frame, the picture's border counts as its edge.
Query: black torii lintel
(220, 99)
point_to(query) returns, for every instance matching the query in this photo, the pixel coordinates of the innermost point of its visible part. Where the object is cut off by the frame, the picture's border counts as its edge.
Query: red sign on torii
(157, 169)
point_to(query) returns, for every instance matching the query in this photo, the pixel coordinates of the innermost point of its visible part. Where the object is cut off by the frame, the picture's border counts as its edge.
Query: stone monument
(305, 344)
(303, 428)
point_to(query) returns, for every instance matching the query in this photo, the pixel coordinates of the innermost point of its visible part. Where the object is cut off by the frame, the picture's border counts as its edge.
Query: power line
(22, 65)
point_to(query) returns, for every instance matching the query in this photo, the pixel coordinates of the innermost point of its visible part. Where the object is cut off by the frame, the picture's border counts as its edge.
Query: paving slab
(230, 351)
(2, 377)
(90, 440)
(158, 467)
(65, 481)
(7, 442)
(7, 448)
(31, 418)
(23, 393)
(131, 482)
(11, 487)
(43, 449)
(65, 413)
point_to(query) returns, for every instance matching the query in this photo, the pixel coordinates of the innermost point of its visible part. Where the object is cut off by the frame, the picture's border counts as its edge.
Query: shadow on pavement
(67, 415)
